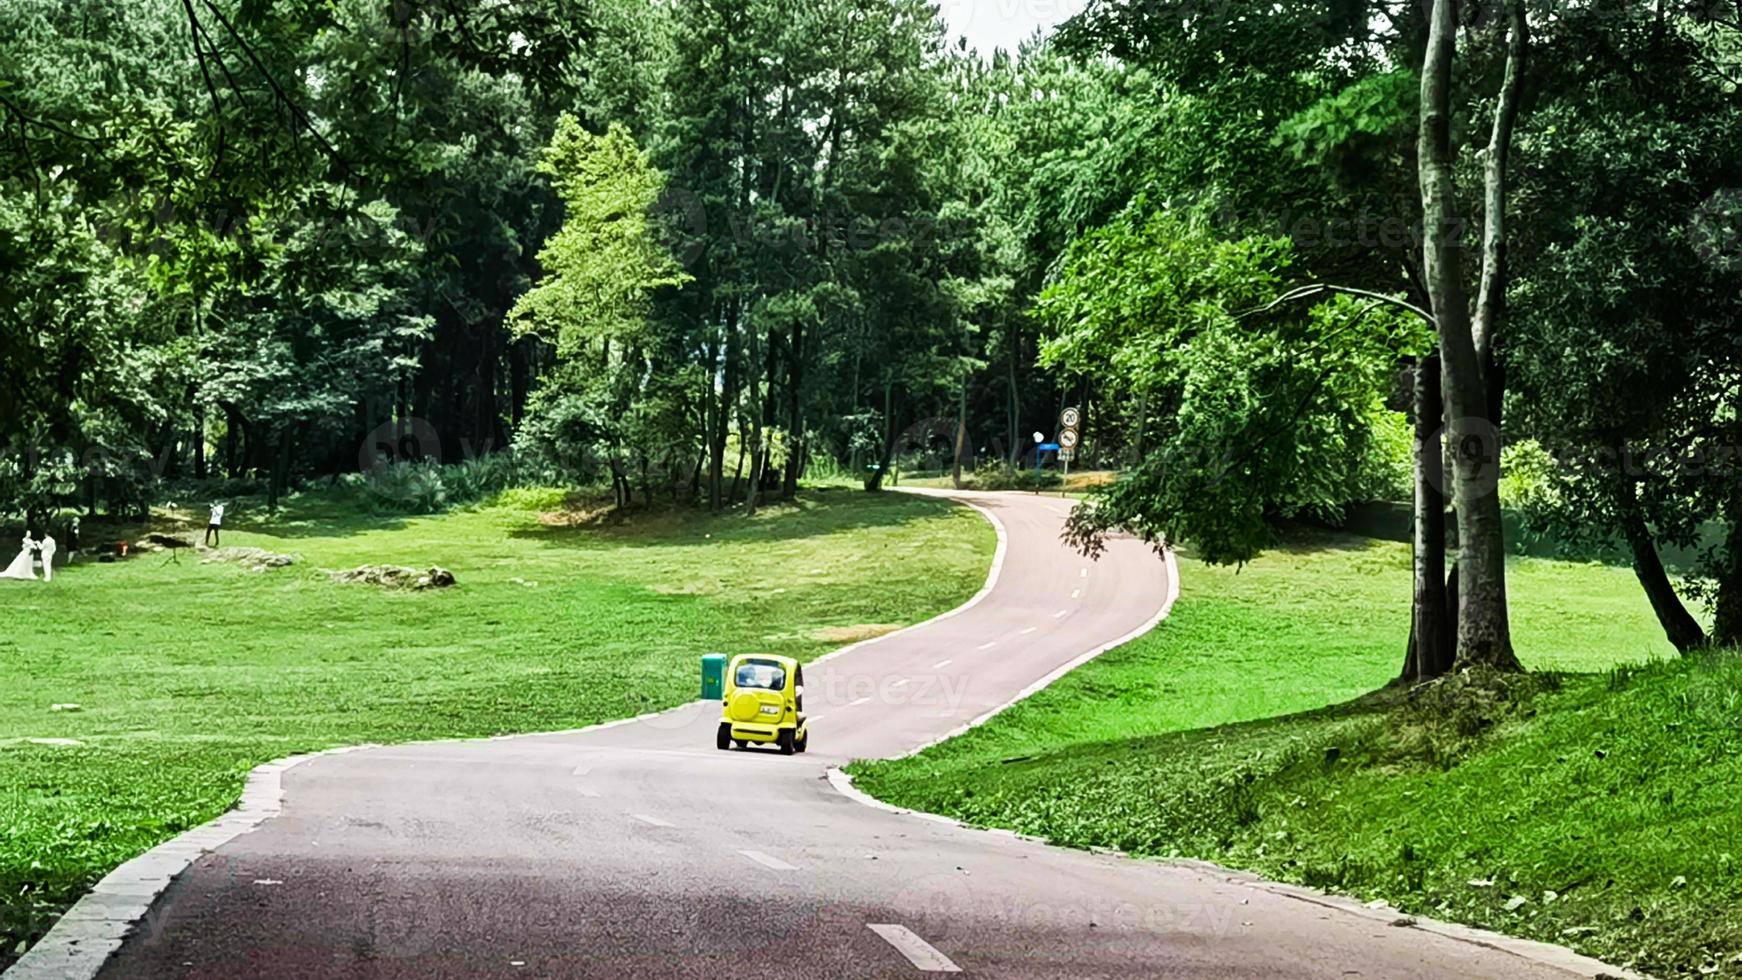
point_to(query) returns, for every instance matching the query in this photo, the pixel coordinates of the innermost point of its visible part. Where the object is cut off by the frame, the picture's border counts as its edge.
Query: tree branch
(296, 111)
(1321, 288)
(1491, 296)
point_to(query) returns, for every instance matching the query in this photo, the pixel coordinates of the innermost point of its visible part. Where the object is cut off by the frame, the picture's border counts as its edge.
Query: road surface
(640, 851)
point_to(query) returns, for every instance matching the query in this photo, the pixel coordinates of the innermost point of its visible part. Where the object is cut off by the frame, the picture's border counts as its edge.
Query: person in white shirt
(45, 548)
(214, 525)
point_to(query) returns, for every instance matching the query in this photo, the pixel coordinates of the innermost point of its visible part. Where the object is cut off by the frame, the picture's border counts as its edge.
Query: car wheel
(803, 743)
(723, 740)
(784, 740)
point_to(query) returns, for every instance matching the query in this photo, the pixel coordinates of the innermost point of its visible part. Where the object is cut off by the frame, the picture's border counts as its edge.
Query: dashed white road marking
(769, 861)
(898, 683)
(940, 664)
(581, 770)
(860, 701)
(652, 821)
(987, 646)
(1084, 573)
(1076, 593)
(1061, 612)
(920, 953)
(588, 792)
(1028, 630)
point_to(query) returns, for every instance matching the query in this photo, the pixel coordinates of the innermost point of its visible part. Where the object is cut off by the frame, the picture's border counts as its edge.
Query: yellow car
(764, 703)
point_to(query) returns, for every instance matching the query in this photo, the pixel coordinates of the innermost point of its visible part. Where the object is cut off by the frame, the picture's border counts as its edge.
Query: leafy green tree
(594, 301)
(1267, 413)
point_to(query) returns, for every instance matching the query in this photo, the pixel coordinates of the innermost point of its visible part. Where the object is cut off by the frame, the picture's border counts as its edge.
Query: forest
(1285, 257)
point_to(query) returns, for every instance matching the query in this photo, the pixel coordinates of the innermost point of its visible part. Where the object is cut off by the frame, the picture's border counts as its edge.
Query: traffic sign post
(1068, 439)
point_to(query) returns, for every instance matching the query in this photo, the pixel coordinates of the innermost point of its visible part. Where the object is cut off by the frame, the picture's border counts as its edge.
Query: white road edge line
(652, 821)
(769, 861)
(923, 955)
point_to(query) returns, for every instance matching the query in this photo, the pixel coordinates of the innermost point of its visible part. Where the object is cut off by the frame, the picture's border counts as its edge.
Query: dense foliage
(700, 249)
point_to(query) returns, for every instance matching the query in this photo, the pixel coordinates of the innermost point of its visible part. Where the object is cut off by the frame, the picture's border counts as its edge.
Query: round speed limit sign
(1069, 418)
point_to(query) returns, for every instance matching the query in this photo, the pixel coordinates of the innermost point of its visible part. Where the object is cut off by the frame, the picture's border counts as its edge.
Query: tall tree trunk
(796, 443)
(1431, 641)
(199, 441)
(961, 434)
(763, 449)
(875, 481)
(1013, 408)
(1682, 629)
(722, 417)
(1484, 632)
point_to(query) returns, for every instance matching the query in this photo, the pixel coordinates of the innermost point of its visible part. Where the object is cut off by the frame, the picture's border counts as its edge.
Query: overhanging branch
(1322, 288)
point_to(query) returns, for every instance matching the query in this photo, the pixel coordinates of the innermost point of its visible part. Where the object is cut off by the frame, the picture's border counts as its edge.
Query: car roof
(772, 658)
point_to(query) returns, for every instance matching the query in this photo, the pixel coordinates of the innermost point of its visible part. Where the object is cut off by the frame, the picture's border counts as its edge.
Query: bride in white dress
(24, 566)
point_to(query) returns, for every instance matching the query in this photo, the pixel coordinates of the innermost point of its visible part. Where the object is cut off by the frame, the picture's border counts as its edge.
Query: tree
(594, 301)
(1471, 373)
(1268, 410)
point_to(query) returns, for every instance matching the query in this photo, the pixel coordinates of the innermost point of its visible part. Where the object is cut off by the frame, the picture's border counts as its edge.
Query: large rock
(397, 577)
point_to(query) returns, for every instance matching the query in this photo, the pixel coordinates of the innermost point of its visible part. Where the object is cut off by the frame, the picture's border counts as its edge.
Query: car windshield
(759, 673)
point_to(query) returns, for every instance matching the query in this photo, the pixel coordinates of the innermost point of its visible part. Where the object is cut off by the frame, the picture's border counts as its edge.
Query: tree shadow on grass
(814, 513)
(310, 514)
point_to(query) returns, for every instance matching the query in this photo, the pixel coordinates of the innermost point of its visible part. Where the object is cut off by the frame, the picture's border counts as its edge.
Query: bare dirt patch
(853, 634)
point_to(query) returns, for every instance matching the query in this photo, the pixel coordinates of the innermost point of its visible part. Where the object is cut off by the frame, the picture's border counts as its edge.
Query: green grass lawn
(189, 674)
(1606, 798)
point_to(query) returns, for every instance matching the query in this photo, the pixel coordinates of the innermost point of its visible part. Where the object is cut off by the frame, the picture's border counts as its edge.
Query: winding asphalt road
(640, 851)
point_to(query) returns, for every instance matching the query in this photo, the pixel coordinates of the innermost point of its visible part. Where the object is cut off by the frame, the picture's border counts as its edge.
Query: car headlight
(771, 709)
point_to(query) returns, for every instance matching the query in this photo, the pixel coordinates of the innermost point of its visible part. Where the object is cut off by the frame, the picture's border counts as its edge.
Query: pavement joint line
(79, 950)
(769, 861)
(923, 955)
(652, 821)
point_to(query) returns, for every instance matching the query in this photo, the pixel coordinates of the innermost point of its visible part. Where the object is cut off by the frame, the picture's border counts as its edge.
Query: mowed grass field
(1592, 805)
(187, 675)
